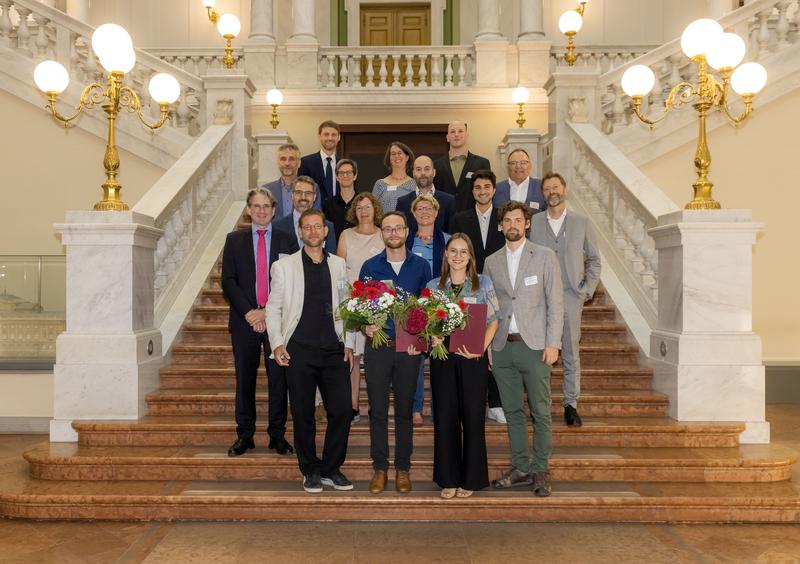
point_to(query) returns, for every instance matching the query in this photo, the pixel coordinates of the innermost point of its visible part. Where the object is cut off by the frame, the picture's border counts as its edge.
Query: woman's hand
(466, 354)
(369, 330)
(436, 341)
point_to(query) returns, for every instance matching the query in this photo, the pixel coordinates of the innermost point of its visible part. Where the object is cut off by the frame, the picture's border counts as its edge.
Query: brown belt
(390, 343)
(514, 338)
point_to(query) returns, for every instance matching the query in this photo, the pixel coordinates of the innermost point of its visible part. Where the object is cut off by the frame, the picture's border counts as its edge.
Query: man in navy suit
(454, 171)
(424, 173)
(520, 185)
(321, 166)
(303, 194)
(288, 163)
(246, 259)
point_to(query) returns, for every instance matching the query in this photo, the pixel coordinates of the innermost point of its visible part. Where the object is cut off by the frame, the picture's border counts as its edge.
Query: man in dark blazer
(454, 171)
(288, 164)
(321, 166)
(303, 196)
(424, 174)
(520, 185)
(246, 259)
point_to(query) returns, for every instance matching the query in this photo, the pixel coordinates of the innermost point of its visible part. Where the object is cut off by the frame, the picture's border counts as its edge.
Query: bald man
(424, 174)
(454, 171)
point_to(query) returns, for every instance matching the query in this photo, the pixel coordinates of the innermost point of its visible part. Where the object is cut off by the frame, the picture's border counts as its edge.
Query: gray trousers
(570, 347)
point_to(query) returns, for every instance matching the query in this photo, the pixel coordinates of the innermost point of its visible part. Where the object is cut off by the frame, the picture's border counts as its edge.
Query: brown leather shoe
(378, 482)
(402, 481)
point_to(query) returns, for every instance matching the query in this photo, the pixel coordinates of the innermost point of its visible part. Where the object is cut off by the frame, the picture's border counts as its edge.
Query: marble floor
(101, 542)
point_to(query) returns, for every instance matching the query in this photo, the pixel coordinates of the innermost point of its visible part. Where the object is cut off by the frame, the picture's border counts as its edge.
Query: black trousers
(324, 368)
(247, 345)
(494, 393)
(386, 369)
(458, 393)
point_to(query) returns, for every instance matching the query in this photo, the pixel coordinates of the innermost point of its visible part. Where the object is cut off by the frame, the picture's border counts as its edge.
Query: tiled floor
(101, 542)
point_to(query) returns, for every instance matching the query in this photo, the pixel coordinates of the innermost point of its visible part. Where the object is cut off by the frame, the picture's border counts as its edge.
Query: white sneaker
(496, 414)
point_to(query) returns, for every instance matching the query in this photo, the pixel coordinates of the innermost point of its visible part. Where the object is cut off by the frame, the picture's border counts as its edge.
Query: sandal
(460, 492)
(448, 493)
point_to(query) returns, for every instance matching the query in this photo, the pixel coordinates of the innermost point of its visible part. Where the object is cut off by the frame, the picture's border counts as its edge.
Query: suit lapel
(467, 164)
(248, 281)
(524, 260)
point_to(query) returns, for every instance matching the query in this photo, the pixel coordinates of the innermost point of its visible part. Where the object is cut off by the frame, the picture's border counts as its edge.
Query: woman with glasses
(399, 160)
(336, 208)
(356, 245)
(426, 240)
(458, 384)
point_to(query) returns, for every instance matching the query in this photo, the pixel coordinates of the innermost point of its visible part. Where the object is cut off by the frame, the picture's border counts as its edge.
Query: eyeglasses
(261, 207)
(310, 228)
(518, 163)
(345, 173)
(458, 252)
(304, 193)
(425, 209)
(398, 229)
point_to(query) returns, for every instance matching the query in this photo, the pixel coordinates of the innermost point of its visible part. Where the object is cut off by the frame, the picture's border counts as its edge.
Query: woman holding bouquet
(458, 383)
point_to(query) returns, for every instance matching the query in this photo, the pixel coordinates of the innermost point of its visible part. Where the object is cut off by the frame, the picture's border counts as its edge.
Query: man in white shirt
(520, 185)
(321, 166)
(572, 238)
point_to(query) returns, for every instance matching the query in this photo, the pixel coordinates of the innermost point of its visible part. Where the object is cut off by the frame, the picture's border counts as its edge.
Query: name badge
(531, 280)
(390, 188)
(535, 205)
(468, 175)
(418, 254)
(472, 300)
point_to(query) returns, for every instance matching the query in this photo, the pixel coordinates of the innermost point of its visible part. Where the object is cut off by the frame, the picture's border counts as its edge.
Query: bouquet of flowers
(434, 314)
(370, 303)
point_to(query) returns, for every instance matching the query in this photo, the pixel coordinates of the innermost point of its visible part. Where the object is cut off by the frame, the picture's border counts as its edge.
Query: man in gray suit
(572, 238)
(527, 280)
(281, 189)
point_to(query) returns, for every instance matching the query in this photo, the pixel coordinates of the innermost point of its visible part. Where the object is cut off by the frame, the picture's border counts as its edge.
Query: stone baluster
(617, 108)
(370, 71)
(356, 83)
(383, 73)
(647, 251)
(675, 73)
(423, 71)
(344, 71)
(23, 31)
(462, 70)
(331, 72)
(637, 236)
(42, 41)
(75, 57)
(5, 23)
(763, 33)
(182, 111)
(436, 74)
(797, 21)
(409, 74)
(395, 70)
(448, 71)
(782, 28)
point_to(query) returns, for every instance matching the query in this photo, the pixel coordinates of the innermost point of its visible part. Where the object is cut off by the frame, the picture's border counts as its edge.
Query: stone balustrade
(602, 58)
(199, 61)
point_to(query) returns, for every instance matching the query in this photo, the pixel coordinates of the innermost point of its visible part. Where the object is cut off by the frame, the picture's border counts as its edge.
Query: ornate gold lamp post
(229, 27)
(520, 97)
(274, 99)
(113, 46)
(705, 43)
(570, 24)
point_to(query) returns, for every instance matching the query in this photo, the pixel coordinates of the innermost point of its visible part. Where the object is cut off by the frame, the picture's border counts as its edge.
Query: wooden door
(394, 25)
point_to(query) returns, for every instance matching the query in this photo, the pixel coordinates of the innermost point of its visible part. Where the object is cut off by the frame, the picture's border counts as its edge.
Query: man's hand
(550, 355)
(489, 356)
(369, 330)
(412, 350)
(254, 316)
(281, 356)
(259, 327)
(348, 357)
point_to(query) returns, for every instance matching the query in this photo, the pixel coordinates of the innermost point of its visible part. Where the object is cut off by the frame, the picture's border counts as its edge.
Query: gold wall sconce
(570, 24)
(274, 99)
(213, 15)
(520, 97)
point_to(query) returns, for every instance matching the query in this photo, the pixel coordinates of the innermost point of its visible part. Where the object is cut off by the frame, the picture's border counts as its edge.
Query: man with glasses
(337, 207)
(246, 259)
(304, 193)
(387, 369)
(424, 174)
(281, 189)
(308, 341)
(520, 185)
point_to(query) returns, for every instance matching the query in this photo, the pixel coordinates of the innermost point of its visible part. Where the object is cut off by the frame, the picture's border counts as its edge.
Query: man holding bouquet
(385, 367)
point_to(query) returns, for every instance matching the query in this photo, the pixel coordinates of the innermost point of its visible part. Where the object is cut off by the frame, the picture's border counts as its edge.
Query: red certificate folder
(473, 335)
(403, 339)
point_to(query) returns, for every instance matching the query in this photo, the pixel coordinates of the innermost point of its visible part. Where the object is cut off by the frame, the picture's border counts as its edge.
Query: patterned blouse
(388, 194)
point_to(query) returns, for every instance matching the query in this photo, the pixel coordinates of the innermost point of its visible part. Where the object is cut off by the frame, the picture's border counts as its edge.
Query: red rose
(416, 320)
(426, 293)
(358, 285)
(372, 293)
(391, 292)
(378, 285)
(441, 314)
(356, 293)
(462, 304)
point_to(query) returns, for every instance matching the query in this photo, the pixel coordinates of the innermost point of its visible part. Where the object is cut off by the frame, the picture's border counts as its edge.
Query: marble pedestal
(523, 138)
(491, 62)
(534, 62)
(301, 64)
(705, 354)
(108, 358)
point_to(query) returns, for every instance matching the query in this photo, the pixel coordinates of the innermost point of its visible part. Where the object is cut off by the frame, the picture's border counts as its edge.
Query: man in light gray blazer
(572, 238)
(281, 189)
(527, 280)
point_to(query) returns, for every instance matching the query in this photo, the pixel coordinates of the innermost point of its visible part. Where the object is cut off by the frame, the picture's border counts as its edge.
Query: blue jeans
(419, 394)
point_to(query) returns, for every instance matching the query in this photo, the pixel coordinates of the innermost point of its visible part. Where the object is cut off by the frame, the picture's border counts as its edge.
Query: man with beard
(320, 166)
(309, 342)
(385, 367)
(304, 193)
(527, 281)
(281, 189)
(572, 238)
(424, 173)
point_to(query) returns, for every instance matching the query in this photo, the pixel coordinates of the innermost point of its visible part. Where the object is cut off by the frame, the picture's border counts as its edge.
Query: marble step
(224, 378)
(617, 403)
(25, 497)
(592, 355)
(197, 430)
(218, 314)
(751, 463)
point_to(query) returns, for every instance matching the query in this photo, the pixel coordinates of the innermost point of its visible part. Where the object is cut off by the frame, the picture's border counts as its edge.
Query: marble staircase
(629, 462)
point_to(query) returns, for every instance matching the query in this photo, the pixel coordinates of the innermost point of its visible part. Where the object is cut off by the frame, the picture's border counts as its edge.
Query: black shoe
(280, 445)
(356, 416)
(571, 417)
(338, 481)
(312, 483)
(241, 446)
(541, 484)
(511, 478)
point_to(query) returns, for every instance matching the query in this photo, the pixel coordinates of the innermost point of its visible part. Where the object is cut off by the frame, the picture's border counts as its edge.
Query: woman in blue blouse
(458, 384)
(427, 241)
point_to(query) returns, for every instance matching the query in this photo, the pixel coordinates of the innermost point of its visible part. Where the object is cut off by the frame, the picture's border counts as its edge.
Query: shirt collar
(515, 254)
(433, 191)
(325, 157)
(254, 229)
(523, 183)
(562, 216)
(485, 215)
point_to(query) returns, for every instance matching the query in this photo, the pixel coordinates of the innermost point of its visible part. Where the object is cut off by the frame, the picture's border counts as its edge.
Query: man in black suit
(481, 226)
(424, 173)
(321, 166)
(304, 194)
(246, 261)
(459, 164)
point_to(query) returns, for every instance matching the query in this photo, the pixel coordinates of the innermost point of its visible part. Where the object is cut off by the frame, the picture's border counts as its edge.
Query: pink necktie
(262, 289)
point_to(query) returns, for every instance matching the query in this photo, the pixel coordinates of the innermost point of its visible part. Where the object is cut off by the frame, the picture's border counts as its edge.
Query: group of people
(442, 224)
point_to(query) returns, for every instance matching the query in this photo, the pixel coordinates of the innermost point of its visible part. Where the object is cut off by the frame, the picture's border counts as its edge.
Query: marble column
(531, 20)
(302, 47)
(705, 355)
(268, 142)
(259, 47)
(304, 22)
(261, 22)
(489, 21)
(718, 8)
(491, 47)
(79, 9)
(108, 358)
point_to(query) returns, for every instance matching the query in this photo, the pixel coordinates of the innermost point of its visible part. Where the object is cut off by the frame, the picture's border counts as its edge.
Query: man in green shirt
(454, 171)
